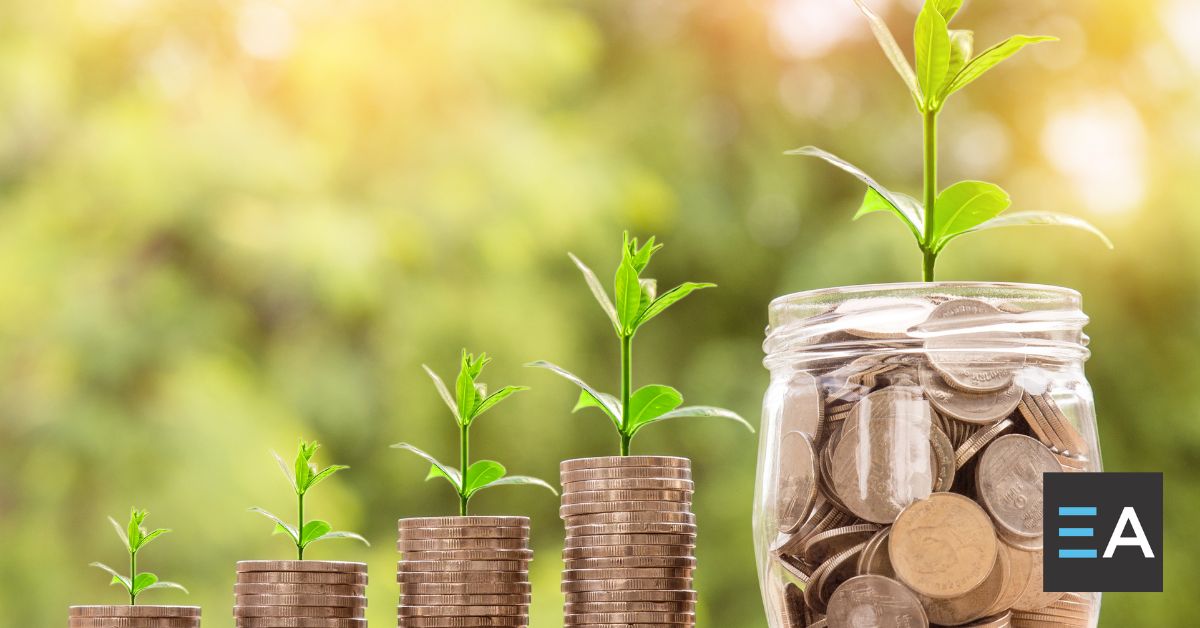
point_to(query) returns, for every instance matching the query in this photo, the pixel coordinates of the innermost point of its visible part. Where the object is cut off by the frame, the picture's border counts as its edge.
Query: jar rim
(1013, 289)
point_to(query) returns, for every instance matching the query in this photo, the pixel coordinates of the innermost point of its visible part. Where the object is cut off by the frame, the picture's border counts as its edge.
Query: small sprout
(469, 401)
(135, 537)
(944, 65)
(636, 303)
(303, 475)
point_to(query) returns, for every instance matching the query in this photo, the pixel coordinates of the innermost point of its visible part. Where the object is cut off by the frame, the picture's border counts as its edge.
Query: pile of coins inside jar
(631, 539)
(134, 617)
(909, 487)
(462, 572)
(311, 593)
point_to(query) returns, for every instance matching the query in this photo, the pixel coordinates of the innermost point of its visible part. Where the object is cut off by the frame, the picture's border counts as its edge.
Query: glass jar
(905, 432)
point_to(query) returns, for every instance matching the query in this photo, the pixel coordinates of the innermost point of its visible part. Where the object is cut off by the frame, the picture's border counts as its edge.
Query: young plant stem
(464, 446)
(626, 378)
(132, 577)
(300, 530)
(929, 126)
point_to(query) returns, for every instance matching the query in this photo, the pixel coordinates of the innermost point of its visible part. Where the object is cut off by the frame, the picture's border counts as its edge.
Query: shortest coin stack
(134, 617)
(300, 594)
(463, 572)
(631, 538)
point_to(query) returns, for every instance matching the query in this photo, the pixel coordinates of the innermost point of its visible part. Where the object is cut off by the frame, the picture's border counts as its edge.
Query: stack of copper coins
(294, 593)
(134, 617)
(461, 572)
(631, 539)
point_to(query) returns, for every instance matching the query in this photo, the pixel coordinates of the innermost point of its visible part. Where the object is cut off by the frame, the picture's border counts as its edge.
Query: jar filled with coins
(905, 433)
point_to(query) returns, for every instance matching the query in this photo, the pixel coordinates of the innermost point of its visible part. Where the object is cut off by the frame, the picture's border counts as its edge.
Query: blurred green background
(225, 225)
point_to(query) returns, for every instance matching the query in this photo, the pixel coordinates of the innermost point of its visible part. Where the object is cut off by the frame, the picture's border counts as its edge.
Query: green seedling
(303, 475)
(944, 65)
(135, 537)
(636, 303)
(469, 401)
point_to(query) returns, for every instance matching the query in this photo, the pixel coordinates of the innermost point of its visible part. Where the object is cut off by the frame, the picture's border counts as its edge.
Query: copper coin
(571, 510)
(589, 619)
(874, 559)
(882, 461)
(473, 532)
(463, 611)
(823, 546)
(133, 622)
(641, 516)
(966, 406)
(330, 612)
(631, 539)
(300, 622)
(633, 595)
(463, 622)
(608, 462)
(1009, 477)
(829, 576)
(625, 584)
(1033, 597)
(470, 554)
(444, 577)
(875, 601)
(797, 485)
(435, 566)
(465, 599)
(589, 497)
(301, 599)
(301, 565)
(613, 551)
(632, 562)
(628, 484)
(623, 473)
(574, 608)
(943, 546)
(977, 441)
(301, 577)
(974, 604)
(609, 574)
(441, 545)
(483, 587)
(277, 588)
(110, 612)
(461, 522)
(633, 528)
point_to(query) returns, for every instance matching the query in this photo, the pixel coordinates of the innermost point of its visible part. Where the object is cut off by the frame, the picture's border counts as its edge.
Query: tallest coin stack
(631, 538)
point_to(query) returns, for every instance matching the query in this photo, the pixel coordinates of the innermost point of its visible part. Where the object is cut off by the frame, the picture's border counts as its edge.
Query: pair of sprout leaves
(636, 303)
(135, 537)
(944, 65)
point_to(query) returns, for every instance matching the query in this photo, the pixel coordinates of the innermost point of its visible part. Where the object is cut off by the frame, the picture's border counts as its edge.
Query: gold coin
(975, 603)
(943, 546)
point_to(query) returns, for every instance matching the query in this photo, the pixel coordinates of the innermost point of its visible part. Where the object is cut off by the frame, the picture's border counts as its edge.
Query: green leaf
(875, 202)
(651, 402)
(495, 398)
(304, 471)
(341, 534)
(450, 474)
(990, 57)
(134, 529)
(604, 402)
(121, 533)
(1034, 218)
(326, 472)
(932, 42)
(909, 212)
(696, 412)
(481, 473)
(466, 393)
(669, 298)
(143, 581)
(313, 530)
(447, 398)
(598, 292)
(280, 523)
(116, 577)
(962, 45)
(966, 205)
(629, 295)
(892, 50)
(639, 257)
(151, 536)
(163, 584)
(947, 8)
(649, 290)
(287, 472)
(520, 480)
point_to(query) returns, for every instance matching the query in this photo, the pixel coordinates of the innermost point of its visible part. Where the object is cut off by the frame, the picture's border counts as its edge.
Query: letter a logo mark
(1128, 518)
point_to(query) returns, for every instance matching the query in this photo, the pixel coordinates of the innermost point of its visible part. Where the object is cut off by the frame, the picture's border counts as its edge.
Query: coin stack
(460, 572)
(910, 469)
(300, 593)
(134, 617)
(631, 538)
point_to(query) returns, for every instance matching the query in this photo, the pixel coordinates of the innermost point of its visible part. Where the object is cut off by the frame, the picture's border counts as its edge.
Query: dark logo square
(1103, 531)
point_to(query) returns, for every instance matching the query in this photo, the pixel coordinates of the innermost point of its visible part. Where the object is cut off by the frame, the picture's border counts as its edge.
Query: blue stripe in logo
(1076, 553)
(1077, 511)
(1075, 531)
